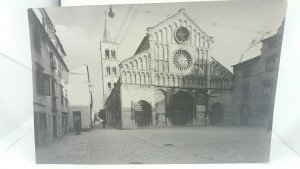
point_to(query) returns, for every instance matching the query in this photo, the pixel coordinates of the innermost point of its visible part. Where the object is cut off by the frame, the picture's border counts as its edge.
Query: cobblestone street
(160, 145)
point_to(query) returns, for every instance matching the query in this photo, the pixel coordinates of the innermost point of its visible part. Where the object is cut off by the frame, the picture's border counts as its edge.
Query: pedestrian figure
(269, 127)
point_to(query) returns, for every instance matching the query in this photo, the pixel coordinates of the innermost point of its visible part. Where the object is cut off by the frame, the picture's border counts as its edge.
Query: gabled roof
(144, 45)
(247, 62)
(181, 11)
(220, 64)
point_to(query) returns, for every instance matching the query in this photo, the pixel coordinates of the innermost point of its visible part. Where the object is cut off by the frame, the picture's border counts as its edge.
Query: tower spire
(106, 36)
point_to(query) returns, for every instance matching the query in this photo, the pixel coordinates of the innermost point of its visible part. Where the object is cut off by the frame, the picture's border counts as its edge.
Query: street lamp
(111, 13)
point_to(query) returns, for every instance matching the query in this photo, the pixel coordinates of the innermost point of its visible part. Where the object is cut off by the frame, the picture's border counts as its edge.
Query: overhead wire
(259, 37)
(129, 25)
(123, 23)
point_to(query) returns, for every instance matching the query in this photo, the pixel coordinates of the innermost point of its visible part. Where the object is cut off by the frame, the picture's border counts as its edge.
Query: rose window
(182, 60)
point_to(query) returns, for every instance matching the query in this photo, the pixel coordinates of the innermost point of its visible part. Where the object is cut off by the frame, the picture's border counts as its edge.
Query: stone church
(171, 79)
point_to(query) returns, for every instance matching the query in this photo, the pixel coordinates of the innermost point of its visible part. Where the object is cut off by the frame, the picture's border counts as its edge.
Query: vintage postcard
(161, 83)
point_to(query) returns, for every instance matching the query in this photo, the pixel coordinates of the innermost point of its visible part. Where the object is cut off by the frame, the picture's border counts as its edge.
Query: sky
(233, 24)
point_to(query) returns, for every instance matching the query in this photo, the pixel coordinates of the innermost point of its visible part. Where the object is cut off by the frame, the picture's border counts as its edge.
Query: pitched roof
(249, 61)
(220, 64)
(144, 45)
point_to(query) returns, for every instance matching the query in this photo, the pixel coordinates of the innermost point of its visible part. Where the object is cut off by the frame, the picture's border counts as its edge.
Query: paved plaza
(176, 145)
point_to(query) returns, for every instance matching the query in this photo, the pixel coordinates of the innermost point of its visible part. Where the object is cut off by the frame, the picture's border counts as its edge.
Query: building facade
(172, 79)
(254, 84)
(50, 75)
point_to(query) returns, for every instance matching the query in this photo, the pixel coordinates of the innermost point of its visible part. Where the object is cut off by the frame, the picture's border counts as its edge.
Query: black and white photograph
(155, 83)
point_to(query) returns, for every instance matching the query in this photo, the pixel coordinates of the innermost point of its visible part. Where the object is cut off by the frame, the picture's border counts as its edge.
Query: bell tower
(109, 61)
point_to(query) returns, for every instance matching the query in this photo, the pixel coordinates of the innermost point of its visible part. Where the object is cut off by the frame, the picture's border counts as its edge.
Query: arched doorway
(216, 114)
(181, 108)
(143, 113)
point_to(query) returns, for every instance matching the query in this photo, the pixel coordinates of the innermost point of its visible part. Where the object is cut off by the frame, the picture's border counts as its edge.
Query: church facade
(172, 79)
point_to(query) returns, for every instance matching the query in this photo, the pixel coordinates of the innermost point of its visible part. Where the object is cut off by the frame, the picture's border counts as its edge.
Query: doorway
(54, 125)
(216, 114)
(181, 108)
(143, 113)
(77, 118)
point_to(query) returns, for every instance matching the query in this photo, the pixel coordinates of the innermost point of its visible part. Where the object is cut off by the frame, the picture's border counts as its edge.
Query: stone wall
(85, 117)
(131, 94)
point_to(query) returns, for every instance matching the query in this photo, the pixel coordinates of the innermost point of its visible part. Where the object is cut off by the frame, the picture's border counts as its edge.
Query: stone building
(254, 84)
(171, 79)
(50, 75)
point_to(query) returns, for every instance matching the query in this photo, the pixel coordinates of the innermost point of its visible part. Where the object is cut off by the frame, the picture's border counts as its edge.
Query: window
(270, 64)
(109, 85)
(42, 83)
(113, 54)
(59, 71)
(52, 61)
(39, 86)
(106, 53)
(54, 89)
(108, 70)
(114, 71)
(46, 85)
(61, 96)
(66, 100)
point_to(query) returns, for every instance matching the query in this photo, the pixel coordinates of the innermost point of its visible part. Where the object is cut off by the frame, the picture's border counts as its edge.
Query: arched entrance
(181, 108)
(143, 113)
(216, 114)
